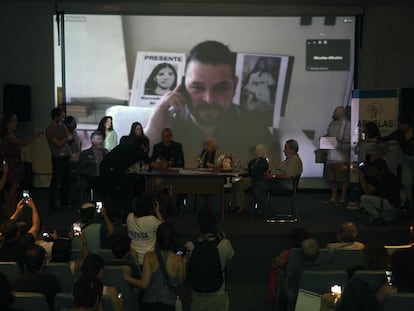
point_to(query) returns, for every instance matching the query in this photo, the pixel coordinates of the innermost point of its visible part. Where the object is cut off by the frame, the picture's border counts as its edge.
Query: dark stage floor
(254, 240)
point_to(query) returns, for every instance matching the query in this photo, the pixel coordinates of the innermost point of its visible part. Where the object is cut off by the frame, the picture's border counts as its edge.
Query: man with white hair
(257, 168)
(281, 179)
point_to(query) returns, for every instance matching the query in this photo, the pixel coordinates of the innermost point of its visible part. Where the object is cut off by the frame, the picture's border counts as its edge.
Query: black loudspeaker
(306, 20)
(330, 20)
(16, 98)
(407, 102)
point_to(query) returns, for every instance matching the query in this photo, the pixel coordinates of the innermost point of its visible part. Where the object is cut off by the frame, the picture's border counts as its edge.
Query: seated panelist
(280, 179)
(167, 153)
(209, 155)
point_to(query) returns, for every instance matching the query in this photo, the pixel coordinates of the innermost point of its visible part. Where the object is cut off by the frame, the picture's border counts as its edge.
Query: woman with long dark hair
(106, 128)
(136, 131)
(162, 79)
(159, 291)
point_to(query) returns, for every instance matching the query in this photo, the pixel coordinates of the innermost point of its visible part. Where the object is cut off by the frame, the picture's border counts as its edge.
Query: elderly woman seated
(256, 169)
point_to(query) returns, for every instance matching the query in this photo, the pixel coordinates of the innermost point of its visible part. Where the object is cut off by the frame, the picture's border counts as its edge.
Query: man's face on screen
(210, 89)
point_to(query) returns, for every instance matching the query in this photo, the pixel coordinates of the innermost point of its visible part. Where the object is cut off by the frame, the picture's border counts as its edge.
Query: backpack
(205, 271)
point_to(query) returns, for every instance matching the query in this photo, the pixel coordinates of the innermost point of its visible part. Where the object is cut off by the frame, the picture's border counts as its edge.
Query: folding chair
(30, 301)
(291, 216)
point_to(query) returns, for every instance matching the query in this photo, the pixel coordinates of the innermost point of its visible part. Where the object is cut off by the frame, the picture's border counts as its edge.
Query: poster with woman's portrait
(262, 83)
(155, 74)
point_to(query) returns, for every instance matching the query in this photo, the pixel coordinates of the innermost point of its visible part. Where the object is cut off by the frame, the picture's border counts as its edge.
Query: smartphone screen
(26, 196)
(336, 289)
(388, 275)
(77, 229)
(99, 207)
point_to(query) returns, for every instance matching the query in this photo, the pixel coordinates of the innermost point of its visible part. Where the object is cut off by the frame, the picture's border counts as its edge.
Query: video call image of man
(202, 106)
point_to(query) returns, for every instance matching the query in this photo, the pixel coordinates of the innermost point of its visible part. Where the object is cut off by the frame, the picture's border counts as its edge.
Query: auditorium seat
(324, 257)
(106, 254)
(399, 301)
(321, 281)
(346, 258)
(10, 269)
(63, 274)
(64, 301)
(375, 278)
(30, 301)
(113, 276)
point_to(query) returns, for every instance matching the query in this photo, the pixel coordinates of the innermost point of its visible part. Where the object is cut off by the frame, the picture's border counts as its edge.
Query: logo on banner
(374, 110)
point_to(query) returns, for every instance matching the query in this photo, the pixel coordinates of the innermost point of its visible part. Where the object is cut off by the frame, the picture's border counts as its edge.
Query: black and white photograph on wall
(155, 74)
(262, 81)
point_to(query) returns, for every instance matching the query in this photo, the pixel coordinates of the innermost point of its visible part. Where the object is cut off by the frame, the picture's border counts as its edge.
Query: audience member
(36, 280)
(11, 153)
(15, 243)
(162, 79)
(142, 225)
(346, 238)
(279, 262)
(87, 294)
(381, 192)
(58, 137)
(62, 252)
(367, 149)
(121, 249)
(46, 239)
(96, 227)
(164, 194)
(136, 131)
(374, 257)
(281, 179)
(75, 147)
(119, 188)
(357, 295)
(167, 153)
(404, 135)
(4, 171)
(89, 163)
(402, 269)
(162, 272)
(105, 126)
(337, 167)
(204, 295)
(92, 268)
(256, 172)
(6, 294)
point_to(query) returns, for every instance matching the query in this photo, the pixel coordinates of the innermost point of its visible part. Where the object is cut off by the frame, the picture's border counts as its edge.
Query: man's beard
(208, 114)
